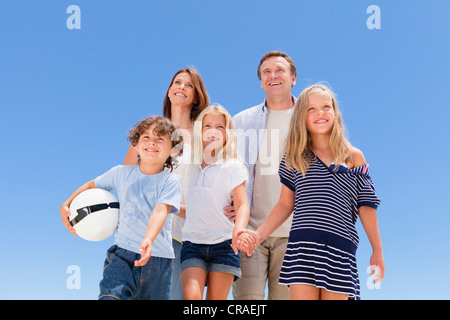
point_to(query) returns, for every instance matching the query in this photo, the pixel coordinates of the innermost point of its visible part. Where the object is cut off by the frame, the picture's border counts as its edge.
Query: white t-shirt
(267, 185)
(209, 191)
(181, 173)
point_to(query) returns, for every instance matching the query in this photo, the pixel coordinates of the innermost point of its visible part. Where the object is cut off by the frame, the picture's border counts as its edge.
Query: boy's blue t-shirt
(138, 195)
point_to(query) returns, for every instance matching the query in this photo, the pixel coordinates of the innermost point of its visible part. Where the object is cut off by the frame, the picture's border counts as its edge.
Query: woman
(186, 97)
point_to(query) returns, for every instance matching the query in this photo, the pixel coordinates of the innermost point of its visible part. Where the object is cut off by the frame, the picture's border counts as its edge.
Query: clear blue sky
(68, 98)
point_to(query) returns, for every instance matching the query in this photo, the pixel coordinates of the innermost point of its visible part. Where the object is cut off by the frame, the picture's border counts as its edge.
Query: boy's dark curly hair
(163, 126)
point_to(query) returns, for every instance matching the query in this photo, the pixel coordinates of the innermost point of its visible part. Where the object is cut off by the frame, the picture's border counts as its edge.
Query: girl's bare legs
(219, 285)
(327, 295)
(309, 292)
(304, 292)
(193, 282)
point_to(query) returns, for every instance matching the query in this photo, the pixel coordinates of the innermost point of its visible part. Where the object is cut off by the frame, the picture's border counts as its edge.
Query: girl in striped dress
(326, 183)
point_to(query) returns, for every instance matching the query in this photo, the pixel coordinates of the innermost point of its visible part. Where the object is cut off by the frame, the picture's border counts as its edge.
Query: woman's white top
(181, 171)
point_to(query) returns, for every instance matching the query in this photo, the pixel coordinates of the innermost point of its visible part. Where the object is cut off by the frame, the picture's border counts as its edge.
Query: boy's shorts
(124, 281)
(211, 257)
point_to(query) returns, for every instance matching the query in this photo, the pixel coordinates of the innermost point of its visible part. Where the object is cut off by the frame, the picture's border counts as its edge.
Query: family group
(199, 205)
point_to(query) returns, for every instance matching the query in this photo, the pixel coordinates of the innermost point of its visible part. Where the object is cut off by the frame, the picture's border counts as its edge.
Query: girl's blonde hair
(298, 143)
(229, 150)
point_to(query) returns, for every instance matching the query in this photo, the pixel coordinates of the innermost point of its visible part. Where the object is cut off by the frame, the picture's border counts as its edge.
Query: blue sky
(69, 97)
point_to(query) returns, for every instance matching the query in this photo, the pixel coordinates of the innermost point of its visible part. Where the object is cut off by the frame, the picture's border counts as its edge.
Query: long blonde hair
(298, 152)
(229, 150)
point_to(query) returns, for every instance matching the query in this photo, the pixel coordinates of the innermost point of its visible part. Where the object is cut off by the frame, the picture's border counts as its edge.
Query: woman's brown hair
(201, 96)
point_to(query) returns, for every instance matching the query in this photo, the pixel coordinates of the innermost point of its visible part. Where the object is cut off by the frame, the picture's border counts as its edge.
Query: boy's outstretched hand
(146, 252)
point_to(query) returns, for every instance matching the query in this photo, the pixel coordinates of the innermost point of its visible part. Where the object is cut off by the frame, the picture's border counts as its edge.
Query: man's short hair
(277, 54)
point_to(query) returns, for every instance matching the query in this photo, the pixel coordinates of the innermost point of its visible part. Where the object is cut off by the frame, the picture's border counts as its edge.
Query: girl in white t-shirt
(215, 174)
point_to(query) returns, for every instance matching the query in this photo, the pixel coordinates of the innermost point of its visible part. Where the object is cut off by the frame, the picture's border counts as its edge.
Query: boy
(147, 194)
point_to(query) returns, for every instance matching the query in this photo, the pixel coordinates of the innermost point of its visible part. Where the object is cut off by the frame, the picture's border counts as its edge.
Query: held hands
(146, 252)
(246, 240)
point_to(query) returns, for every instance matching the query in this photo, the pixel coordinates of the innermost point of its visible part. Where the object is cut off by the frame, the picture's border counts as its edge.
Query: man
(261, 132)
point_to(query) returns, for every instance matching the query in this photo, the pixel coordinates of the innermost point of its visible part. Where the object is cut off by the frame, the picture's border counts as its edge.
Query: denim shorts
(122, 280)
(211, 257)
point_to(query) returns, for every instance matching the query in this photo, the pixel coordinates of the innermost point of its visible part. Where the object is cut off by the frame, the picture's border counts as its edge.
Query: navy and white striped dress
(323, 240)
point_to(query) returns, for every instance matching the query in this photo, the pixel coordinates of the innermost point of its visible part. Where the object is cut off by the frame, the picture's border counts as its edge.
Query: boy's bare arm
(64, 210)
(155, 224)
